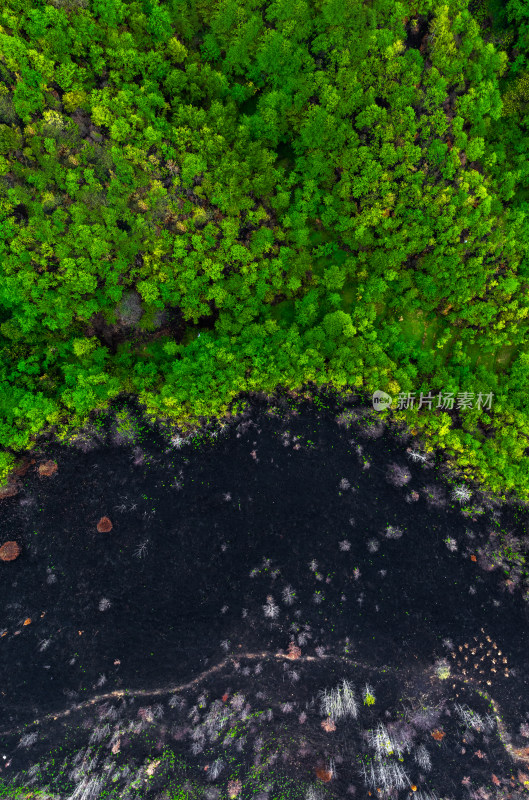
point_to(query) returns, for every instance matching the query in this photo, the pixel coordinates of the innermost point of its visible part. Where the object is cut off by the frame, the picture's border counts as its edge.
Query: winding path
(517, 753)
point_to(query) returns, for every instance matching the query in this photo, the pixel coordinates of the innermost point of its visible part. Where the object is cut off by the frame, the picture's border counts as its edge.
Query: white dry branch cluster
(99, 733)
(422, 757)
(270, 609)
(474, 720)
(435, 496)
(34, 770)
(381, 742)
(215, 769)
(417, 456)
(339, 702)
(288, 594)
(141, 550)
(393, 532)
(303, 637)
(314, 793)
(385, 775)
(398, 475)
(388, 773)
(199, 740)
(217, 718)
(28, 740)
(427, 796)
(461, 494)
(106, 711)
(237, 701)
(89, 788)
(346, 418)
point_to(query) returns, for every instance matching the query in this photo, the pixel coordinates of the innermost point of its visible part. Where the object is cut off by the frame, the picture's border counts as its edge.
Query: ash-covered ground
(297, 603)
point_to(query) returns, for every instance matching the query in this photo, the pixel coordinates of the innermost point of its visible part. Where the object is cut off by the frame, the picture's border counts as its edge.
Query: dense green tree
(327, 199)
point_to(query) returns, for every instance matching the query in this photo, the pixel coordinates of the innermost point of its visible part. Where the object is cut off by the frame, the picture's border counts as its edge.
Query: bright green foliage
(333, 192)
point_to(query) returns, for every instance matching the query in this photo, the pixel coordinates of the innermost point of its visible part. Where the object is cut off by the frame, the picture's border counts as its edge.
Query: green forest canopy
(327, 191)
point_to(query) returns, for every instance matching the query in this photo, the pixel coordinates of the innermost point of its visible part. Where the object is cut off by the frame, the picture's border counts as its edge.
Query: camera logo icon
(381, 400)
